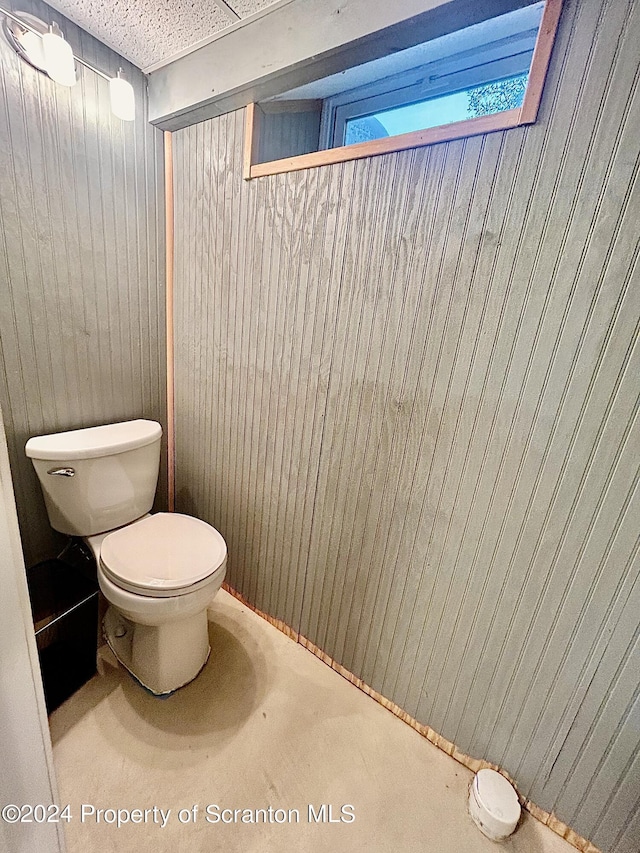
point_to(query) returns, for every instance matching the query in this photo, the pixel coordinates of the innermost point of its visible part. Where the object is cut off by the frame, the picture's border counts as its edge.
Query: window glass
(487, 99)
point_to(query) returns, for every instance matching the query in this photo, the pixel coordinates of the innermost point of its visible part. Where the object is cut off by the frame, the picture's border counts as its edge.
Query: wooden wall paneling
(250, 386)
(241, 289)
(454, 500)
(343, 269)
(607, 650)
(602, 436)
(476, 423)
(386, 297)
(421, 440)
(619, 792)
(450, 390)
(627, 840)
(523, 599)
(267, 373)
(286, 133)
(255, 497)
(509, 369)
(81, 277)
(442, 314)
(282, 408)
(392, 497)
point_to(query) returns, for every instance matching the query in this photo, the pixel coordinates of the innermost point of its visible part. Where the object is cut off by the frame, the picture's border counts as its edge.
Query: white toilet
(159, 572)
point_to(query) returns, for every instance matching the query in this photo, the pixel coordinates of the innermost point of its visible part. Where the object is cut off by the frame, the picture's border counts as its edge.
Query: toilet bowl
(158, 572)
(159, 575)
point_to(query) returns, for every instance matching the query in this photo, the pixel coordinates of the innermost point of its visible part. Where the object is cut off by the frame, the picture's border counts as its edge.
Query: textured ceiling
(151, 32)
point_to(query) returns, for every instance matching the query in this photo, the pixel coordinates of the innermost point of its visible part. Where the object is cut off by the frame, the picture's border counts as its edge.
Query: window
(487, 99)
(485, 77)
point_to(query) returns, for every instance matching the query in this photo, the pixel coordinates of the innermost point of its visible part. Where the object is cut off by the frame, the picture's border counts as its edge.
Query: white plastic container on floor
(493, 805)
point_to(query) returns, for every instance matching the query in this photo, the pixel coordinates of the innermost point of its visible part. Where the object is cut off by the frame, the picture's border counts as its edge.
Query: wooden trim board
(387, 145)
(253, 113)
(169, 262)
(473, 764)
(540, 61)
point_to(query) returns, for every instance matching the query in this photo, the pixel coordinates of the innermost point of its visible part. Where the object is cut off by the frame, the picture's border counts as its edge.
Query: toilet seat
(163, 555)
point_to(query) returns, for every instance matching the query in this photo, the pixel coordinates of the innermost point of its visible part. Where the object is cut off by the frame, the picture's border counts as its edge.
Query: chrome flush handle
(62, 472)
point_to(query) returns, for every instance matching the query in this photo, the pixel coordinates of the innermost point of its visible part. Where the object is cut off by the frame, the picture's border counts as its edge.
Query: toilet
(158, 572)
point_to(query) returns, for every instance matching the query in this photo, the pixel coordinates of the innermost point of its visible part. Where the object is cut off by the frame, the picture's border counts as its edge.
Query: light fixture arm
(19, 21)
(92, 68)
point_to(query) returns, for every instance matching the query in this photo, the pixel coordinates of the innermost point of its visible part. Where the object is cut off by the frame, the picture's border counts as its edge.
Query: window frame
(337, 114)
(442, 77)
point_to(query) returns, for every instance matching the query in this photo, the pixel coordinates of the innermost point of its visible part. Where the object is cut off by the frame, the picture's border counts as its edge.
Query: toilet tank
(99, 478)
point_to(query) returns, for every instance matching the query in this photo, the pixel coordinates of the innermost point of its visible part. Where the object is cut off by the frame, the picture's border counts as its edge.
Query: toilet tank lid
(93, 442)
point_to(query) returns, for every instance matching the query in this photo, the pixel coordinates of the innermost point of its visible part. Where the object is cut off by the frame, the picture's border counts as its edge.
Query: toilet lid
(162, 554)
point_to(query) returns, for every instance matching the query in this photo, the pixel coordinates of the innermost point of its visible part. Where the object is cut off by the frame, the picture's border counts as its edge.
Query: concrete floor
(266, 724)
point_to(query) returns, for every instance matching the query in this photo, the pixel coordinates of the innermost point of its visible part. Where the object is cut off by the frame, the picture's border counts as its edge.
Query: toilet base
(161, 658)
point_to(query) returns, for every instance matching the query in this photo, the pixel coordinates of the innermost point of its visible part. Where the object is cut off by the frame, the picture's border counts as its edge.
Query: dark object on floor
(64, 603)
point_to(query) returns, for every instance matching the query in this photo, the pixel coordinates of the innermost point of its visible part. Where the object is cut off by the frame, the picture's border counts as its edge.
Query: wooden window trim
(526, 114)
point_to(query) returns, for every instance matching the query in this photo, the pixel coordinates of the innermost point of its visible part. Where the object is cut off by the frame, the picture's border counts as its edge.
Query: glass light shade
(59, 61)
(123, 104)
(31, 44)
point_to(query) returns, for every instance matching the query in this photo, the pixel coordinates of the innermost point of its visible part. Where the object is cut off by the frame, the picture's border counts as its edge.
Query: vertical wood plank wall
(288, 134)
(407, 395)
(81, 261)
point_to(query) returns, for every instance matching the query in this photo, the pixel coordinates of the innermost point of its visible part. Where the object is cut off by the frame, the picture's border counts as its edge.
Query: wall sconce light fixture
(58, 58)
(45, 48)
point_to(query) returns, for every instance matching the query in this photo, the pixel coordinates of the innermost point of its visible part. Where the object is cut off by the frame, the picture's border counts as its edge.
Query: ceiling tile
(244, 8)
(149, 31)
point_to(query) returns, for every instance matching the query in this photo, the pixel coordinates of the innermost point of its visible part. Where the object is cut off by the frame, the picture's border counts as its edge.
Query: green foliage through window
(496, 97)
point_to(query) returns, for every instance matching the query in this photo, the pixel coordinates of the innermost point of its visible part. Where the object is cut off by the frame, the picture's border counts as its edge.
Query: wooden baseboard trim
(277, 623)
(473, 764)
